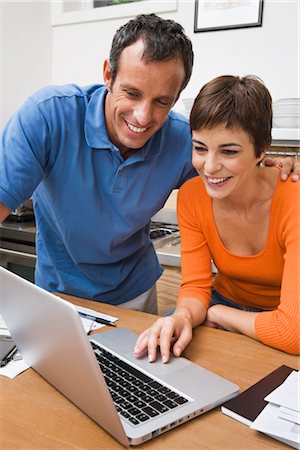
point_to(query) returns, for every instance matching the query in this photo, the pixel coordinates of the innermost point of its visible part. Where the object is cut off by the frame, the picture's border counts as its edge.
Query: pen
(98, 319)
(9, 357)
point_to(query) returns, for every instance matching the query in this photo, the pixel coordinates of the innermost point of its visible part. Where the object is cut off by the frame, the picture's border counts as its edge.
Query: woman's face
(225, 159)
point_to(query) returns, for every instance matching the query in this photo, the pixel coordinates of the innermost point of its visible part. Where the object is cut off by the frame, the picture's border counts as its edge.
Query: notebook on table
(130, 398)
(246, 406)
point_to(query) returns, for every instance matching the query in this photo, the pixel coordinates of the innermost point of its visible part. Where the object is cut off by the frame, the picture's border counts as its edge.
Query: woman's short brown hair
(242, 102)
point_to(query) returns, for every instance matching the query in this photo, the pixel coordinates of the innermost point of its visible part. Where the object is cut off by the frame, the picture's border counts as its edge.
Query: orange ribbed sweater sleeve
(280, 328)
(269, 280)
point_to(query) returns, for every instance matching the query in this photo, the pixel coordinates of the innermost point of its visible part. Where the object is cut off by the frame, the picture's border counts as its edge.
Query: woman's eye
(230, 152)
(200, 149)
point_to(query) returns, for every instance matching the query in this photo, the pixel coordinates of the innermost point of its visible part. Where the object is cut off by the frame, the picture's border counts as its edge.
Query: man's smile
(134, 128)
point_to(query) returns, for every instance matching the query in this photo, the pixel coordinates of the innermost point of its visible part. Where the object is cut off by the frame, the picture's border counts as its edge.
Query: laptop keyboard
(137, 396)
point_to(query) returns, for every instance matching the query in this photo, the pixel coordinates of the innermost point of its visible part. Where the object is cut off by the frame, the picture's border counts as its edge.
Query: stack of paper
(17, 364)
(280, 419)
(90, 324)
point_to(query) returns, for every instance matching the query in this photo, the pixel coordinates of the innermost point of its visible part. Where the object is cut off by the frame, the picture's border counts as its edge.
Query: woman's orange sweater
(269, 280)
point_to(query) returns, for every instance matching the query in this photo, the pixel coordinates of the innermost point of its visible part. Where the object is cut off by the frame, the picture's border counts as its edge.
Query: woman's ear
(261, 157)
(107, 77)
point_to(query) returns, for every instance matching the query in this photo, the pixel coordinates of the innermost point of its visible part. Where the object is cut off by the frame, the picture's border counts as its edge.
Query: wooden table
(33, 415)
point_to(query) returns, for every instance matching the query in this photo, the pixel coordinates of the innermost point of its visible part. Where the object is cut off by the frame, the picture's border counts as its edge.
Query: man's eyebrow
(128, 86)
(166, 98)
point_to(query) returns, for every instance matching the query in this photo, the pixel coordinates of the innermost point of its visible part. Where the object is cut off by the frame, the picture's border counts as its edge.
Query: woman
(241, 215)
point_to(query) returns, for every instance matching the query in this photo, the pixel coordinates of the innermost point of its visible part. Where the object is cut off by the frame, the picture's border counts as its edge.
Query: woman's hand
(289, 166)
(164, 330)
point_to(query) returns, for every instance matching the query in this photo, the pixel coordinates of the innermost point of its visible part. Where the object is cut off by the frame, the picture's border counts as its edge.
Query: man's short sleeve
(24, 150)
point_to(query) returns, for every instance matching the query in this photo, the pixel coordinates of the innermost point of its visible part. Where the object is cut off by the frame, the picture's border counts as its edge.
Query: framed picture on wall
(213, 15)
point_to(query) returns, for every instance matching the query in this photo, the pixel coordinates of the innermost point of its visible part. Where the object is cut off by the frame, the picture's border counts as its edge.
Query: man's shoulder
(63, 91)
(177, 129)
(177, 118)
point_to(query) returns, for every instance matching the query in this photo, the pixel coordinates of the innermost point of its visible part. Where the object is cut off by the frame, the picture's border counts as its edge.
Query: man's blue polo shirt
(92, 208)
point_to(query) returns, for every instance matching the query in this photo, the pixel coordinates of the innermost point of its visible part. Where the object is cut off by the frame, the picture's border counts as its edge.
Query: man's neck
(127, 152)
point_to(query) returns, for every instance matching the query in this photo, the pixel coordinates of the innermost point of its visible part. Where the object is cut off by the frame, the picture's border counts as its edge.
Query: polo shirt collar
(95, 127)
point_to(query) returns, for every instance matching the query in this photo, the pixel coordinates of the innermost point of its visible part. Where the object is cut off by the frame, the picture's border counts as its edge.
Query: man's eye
(132, 94)
(164, 103)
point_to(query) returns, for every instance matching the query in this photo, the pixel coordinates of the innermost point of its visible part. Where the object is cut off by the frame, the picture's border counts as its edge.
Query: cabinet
(285, 142)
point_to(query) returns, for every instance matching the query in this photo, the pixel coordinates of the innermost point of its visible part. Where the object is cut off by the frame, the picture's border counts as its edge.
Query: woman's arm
(278, 328)
(233, 319)
(196, 282)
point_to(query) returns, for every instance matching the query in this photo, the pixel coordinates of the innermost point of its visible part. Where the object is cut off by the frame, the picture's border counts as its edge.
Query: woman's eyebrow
(198, 142)
(231, 144)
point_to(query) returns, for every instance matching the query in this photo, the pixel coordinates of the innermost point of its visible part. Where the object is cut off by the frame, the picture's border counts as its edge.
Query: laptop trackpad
(122, 341)
(158, 368)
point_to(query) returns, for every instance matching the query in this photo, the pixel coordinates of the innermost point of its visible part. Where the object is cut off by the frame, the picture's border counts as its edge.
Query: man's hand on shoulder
(289, 166)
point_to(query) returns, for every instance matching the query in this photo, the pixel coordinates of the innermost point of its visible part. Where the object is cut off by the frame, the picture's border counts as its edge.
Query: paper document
(269, 423)
(289, 414)
(280, 419)
(17, 364)
(3, 328)
(288, 393)
(90, 325)
(14, 368)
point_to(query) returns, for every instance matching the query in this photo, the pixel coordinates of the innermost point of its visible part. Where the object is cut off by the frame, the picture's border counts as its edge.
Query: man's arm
(289, 166)
(4, 212)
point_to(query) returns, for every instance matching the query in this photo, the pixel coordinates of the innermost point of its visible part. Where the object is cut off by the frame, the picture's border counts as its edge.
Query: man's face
(140, 98)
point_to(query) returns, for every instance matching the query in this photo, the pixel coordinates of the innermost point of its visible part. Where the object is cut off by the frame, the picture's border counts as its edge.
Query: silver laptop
(130, 398)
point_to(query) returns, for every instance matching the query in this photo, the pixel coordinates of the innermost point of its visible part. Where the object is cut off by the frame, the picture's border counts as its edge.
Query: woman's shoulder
(288, 190)
(193, 185)
(192, 197)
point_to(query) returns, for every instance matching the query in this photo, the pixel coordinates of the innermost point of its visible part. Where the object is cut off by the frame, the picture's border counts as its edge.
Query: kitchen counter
(15, 228)
(20, 236)
(18, 239)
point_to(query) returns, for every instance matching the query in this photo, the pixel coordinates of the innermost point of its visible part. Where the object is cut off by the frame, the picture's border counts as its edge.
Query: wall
(271, 51)
(27, 42)
(26, 52)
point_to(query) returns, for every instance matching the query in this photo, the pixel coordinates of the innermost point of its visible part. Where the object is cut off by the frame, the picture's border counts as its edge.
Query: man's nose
(143, 113)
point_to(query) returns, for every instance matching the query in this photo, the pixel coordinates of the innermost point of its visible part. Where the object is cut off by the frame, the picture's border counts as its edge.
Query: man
(100, 161)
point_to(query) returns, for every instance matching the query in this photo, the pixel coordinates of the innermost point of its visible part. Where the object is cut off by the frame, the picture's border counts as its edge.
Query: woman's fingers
(162, 333)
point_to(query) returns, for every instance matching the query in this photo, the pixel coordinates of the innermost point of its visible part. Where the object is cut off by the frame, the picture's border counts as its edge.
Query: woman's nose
(212, 163)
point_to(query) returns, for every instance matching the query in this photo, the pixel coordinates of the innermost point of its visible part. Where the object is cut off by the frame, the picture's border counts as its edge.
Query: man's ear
(107, 76)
